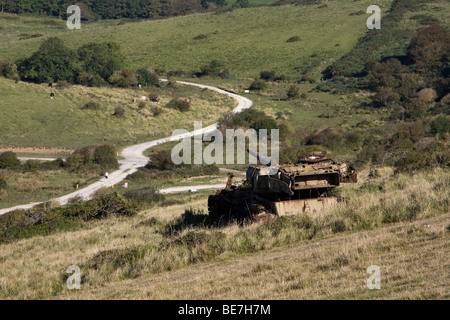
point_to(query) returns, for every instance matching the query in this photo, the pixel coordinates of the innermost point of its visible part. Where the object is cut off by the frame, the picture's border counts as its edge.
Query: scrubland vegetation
(125, 245)
(376, 99)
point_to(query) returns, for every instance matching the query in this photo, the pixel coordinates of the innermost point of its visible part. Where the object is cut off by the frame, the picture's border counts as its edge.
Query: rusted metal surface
(295, 188)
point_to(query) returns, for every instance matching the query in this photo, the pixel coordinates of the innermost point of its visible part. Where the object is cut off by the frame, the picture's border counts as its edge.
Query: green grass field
(245, 40)
(29, 118)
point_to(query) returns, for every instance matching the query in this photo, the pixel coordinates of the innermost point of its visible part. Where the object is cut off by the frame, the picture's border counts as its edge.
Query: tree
(429, 49)
(147, 78)
(8, 160)
(101, 58)
(51, 63)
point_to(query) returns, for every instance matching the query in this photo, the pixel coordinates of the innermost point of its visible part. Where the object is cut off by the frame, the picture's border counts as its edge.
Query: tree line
(111, 9)
(93, 64)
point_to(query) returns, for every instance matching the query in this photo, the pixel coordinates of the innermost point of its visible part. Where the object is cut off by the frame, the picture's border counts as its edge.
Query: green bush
(119, 112)
(123, 78)
(8, 160)
(179, 104)
(267, 75)
(92, 106)
(440, 125)
(258, 84)
(293, 39)
(147, 78)
(293, 92)
(3, 184)
(44, 220)
(105, 157)
(92, 157)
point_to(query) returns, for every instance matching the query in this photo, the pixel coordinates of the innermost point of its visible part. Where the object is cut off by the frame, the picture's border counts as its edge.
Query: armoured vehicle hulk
(285, 189)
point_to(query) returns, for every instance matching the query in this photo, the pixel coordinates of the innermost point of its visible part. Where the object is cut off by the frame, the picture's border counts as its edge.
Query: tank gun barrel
(262, 159)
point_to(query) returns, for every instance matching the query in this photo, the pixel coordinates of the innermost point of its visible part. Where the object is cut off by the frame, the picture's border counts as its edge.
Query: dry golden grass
(413, 259)
(260, 261)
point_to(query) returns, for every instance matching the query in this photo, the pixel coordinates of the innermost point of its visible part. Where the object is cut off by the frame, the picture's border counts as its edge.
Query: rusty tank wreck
(282, 189)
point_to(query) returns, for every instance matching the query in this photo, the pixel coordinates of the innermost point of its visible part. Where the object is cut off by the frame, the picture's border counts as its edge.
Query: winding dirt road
(134, 158)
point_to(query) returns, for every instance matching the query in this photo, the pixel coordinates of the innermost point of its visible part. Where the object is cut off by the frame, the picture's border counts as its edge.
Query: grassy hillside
(245, 40)
(30, 118)
(388, 222)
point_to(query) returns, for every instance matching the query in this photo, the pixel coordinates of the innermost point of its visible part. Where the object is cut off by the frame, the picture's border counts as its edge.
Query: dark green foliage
(161, 166)
(101, 59)
(7, 69)
(200, 37)
(293, 92)
(90, 65)
(123, 78)
(92, 158)
(105, 157)
(146, 78)
(293, 39)
(8, 160)
(429, 49)
(119, 112)
(92, 106)
(91, 80)
(161, 160)
(110, 9)
(44, 220)
(179, 104)
(258, 84)
(440, 125)
(266, 123)
(267, 75)
(3, 184)
(372, 46)
(214, 69)
(51, 63)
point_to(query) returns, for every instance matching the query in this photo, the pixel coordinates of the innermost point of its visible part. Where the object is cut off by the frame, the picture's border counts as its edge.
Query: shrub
(293, 92)
(119, 112)
(141, 104)
(92, 106)
(440, 125)
(267, 75)
(215, 69)
(161, 160)
(91, 80)
(293, 39)
(429, 48)
(123, 78)
(267, 123)
(105, 156)
(200, 36)
(8, 160)
(179, 104)
(147, 78)
(258, 84)
(92, 157)
(156, 110)
(384, 97)
(3, 184)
